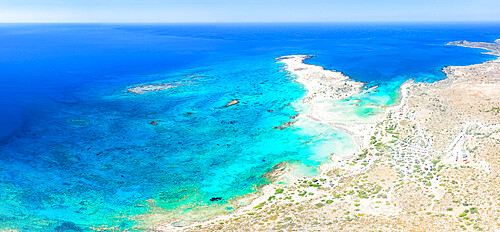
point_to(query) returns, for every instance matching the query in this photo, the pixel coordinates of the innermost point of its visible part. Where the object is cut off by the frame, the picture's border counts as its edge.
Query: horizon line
(244, 22)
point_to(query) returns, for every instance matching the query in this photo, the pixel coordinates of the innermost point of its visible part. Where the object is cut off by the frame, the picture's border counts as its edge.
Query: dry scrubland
(432, 164)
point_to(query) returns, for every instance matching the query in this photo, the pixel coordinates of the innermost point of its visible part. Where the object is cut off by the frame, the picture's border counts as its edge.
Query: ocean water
(78, 151)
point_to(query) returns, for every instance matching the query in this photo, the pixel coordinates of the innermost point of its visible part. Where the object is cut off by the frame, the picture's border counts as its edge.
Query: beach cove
(196, 121)
(324, 90)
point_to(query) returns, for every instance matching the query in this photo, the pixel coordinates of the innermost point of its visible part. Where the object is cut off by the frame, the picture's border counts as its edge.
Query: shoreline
(315, 79)
(417, 133)
(325, 87)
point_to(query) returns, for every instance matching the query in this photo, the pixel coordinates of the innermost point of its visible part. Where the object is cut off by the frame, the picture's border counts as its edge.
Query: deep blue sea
(77, 150)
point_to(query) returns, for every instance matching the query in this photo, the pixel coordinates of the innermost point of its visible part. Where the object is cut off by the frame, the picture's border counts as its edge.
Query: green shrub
(259, 205)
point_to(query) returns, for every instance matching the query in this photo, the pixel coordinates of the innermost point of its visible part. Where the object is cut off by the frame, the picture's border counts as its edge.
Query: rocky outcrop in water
(232, 102)
(276, 170)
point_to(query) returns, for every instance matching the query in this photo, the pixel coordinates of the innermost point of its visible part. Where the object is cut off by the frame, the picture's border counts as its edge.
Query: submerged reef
(145, 88)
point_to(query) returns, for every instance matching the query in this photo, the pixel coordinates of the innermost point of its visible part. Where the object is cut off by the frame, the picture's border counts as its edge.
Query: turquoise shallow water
(78, 151)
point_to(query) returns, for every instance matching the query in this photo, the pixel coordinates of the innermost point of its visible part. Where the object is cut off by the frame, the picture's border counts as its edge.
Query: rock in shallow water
(233, 102)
